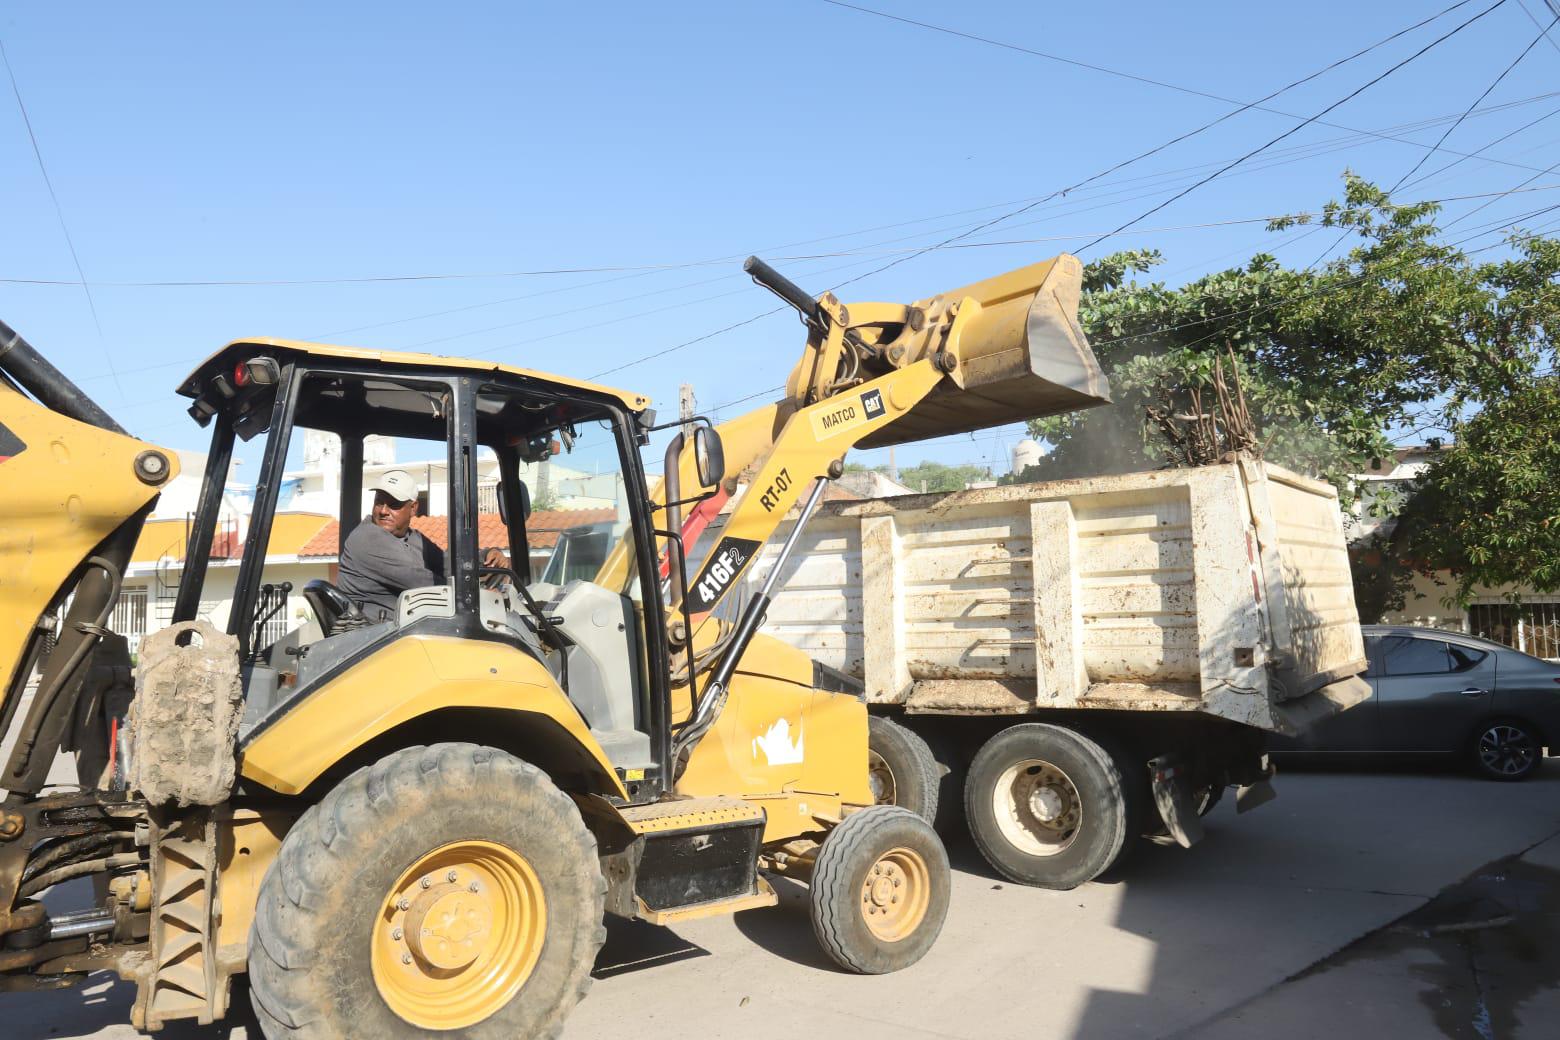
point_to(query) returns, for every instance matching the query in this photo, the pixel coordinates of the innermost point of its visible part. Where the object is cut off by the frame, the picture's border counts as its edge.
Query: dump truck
(414, 824)
(1071, 664)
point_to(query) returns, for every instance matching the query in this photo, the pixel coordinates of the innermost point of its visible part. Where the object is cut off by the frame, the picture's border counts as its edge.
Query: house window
(487, 498)
(1533, 628)
(130, 616)
(272, 607)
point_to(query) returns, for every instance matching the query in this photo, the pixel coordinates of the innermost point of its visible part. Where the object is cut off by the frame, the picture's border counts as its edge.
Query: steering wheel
(489, 576)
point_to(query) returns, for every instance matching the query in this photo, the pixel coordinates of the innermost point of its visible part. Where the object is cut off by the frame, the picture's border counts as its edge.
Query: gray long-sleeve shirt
(376, 567)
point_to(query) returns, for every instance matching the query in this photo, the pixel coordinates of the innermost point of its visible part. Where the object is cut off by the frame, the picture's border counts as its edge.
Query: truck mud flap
(1258, 792)
(1173, 799)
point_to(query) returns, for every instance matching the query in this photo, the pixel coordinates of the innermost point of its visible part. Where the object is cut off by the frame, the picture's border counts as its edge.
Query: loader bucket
(1023, 356)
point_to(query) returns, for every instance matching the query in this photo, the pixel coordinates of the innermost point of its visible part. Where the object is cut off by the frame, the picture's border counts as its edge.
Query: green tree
(934, 476)
(930, 476)
(1488, 507)
(1406, 336)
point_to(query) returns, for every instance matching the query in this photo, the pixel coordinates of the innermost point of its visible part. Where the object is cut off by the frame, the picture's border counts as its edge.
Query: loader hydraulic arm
(874, 374)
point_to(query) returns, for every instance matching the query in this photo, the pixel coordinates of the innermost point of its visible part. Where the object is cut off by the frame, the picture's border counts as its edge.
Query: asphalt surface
(1315, 916)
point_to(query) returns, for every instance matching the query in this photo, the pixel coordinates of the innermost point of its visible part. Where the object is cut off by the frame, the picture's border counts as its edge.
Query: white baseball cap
(397, 483)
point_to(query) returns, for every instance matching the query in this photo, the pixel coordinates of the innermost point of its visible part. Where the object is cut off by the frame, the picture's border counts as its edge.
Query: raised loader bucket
(1022, 356)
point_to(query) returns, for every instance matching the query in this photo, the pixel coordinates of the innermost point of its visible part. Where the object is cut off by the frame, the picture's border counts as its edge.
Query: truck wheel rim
(458, 934)
(1037, 807)
(1507, 750)
(884, 790)
(895, 893)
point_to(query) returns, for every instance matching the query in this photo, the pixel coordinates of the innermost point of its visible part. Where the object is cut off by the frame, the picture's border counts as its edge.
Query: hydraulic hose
(74, 870)
(91, 631)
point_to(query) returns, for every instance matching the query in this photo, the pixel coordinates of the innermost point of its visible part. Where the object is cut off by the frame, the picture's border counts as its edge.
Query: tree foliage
(933, 476)
(1488, 507)
(1406, 337)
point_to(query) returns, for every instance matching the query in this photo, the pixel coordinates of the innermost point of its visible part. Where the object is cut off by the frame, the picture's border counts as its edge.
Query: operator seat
(332, 609)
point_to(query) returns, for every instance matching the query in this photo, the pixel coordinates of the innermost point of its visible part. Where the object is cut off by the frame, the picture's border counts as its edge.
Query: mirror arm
(672, 486)
(509, 492)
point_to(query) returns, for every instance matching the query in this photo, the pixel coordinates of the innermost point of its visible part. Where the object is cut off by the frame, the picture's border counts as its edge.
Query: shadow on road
(785, 929)
(634, 946)
(103, 1003)
(1241, 909)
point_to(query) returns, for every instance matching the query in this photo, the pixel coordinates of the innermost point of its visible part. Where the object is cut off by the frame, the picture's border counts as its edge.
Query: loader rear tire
(879, 890)
(1047, 806)
(902, 768)
(449, 889)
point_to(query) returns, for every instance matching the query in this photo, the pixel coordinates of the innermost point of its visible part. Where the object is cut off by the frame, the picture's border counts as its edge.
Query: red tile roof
(544, 526)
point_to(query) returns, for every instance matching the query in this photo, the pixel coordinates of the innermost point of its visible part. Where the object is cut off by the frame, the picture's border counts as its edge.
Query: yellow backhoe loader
(415, 824)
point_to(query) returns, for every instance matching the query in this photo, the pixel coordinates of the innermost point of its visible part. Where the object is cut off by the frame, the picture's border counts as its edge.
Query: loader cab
(506, 445)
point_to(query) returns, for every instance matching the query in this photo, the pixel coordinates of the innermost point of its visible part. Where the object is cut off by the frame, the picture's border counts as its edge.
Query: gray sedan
(1444, 693)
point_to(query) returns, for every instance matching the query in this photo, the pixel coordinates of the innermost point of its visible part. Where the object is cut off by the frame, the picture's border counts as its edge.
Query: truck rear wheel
(902, 769)
(444, 888)
(1046, 806)
(879, 890)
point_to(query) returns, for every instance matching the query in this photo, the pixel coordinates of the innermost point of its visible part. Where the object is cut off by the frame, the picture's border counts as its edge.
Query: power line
(59, 212)
(633, 272)
(1258, 105)
(1504, 137)
(1192, 133)
(1491, 202)
(1341, 101)
(1534, 19)
(1542, 33)
(1031, 205)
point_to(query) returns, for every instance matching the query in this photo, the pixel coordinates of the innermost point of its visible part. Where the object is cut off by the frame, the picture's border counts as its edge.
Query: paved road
(1206, 943)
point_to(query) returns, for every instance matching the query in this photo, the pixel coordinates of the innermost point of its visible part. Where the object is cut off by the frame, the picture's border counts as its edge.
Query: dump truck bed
(1223, 589)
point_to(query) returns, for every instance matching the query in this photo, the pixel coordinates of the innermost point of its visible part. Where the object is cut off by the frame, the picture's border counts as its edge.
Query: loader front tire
(1047, 806)
(902, 769)
(449, 889)
(879, 891)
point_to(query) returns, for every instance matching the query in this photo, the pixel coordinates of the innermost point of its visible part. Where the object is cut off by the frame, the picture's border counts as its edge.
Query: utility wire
(1542, 34)
(1510, 191)
(1499, 140)
(624, 272)
(1534, 19)
(59, 213)
(1192, 133)
(1258, 105)
(1295, 129)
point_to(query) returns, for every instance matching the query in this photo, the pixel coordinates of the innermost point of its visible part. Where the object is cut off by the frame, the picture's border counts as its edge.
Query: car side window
(1465, 657)
(1406, 655)
(1372, 656)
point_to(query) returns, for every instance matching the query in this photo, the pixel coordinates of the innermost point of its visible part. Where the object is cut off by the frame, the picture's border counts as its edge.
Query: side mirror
(709, 456)
(525, 503)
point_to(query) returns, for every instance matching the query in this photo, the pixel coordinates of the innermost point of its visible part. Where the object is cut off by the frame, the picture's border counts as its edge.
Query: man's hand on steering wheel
(496, 570)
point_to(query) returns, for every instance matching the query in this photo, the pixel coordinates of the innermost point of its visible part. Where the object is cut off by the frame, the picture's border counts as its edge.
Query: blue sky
(289, 142)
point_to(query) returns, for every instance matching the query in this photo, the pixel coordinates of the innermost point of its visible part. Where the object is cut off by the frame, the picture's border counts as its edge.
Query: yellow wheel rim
(458, 934)
(895, 893)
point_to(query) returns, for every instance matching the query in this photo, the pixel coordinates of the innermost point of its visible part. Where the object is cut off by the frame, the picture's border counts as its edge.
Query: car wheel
(1507, 749)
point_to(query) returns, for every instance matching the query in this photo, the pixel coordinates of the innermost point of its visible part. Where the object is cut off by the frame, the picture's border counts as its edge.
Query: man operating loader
(384, 556)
